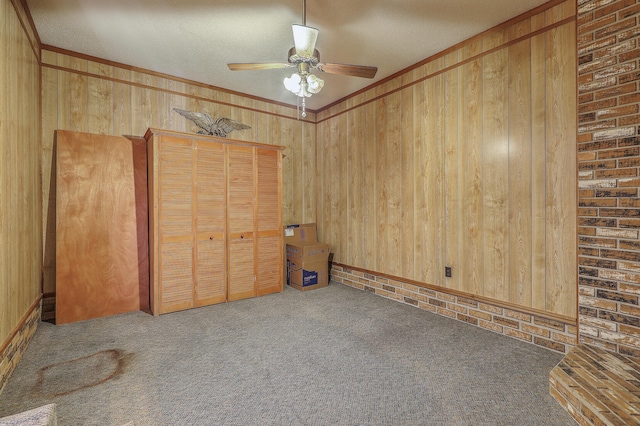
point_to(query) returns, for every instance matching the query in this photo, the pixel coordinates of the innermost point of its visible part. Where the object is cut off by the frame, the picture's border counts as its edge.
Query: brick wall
(539, 330)
(608, 165)
(11, 354)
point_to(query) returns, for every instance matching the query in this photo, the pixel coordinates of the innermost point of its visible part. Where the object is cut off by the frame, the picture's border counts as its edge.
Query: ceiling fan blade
(351, 70)
(258, 66)
(304, 39)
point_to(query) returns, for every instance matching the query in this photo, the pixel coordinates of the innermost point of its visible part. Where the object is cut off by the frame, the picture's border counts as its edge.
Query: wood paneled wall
(90, 95)
(20, 230)
(466, 161)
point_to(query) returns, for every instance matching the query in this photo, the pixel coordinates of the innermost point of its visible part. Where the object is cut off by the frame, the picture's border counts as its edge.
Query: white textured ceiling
(195, 39)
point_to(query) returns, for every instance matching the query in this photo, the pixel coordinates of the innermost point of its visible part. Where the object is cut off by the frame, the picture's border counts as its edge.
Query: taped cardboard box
(308, 275)
(297, 233)
(307, 265)
(308, 251)
(306, 259)
(305, 232)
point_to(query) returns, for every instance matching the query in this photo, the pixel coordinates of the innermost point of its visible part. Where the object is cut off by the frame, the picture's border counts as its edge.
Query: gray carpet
(331, 356)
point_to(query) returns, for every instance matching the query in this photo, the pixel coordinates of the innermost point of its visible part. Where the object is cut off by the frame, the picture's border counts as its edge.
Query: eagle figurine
(220, 127)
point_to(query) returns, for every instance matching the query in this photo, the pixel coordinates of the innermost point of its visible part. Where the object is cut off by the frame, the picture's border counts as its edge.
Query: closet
(215, 220)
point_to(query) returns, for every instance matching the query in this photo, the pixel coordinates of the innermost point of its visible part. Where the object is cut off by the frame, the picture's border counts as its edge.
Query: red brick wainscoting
(608, 163)
(552, 333)
(11, 352)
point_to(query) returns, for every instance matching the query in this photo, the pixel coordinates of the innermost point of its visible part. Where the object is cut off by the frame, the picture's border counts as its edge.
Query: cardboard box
(308, 251)
(307, 259)
(294, 234)
(307, 275)
(305, 232)
(307, 265)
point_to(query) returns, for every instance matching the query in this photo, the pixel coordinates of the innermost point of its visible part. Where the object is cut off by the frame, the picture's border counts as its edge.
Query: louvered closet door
(175, 225)
(269, 277)
(211, 276)
(240, 219)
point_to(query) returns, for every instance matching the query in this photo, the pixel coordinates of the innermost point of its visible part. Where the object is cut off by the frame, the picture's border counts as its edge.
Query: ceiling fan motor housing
(295, 59)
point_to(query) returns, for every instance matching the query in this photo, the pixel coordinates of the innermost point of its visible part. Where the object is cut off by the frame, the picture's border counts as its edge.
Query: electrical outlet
(447, 271)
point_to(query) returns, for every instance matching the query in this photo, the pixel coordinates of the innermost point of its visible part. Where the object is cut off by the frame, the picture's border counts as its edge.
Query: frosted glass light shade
(305, 40)
(303, 85)
(314, 84)
(293, 83)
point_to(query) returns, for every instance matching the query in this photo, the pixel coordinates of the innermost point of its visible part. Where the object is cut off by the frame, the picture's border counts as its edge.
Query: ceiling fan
(304, 57)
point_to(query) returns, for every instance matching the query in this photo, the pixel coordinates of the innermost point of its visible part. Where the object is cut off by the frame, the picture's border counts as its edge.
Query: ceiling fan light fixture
(314, 84)
(292, 83)
(305, 58)
(303, 85)
(304, 40)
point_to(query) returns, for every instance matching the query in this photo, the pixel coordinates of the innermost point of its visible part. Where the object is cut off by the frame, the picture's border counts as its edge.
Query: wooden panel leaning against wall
(81, 93)
(492, 130)
(101, 226)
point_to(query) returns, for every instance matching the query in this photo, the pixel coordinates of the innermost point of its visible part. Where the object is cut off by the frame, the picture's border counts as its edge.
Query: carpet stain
(81, 373)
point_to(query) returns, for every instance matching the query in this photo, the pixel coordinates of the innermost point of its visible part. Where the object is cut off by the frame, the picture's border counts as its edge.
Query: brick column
(608, 167)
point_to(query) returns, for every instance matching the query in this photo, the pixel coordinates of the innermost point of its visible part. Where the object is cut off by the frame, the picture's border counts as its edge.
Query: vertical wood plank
(561, 152)
(452, 177)
(122, 100)
(418, 110)
(370, 189)
(64, 90)
(174, 120)
(382, 185)
(13, 166)
(520, 195)
(394, 185)
(49, 125)
(6, 321)
(79, 95)
(472, 269)
(297, 190)
(433, 180)
(538, 173)
(136, 104)
(355, 185)
(343, 166)
(496, 177)
(288, 167)
(322, 188)
(100, 99)
(309, 171)
(337, 198)
(407, 230)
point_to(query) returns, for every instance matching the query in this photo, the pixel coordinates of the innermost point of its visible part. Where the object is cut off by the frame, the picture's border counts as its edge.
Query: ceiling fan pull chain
(304, 108)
